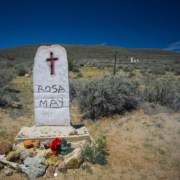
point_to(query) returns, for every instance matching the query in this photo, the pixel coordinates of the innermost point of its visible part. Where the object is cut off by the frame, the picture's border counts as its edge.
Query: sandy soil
(139, 146)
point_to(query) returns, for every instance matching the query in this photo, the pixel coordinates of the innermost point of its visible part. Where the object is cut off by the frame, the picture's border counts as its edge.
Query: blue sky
(130, 23)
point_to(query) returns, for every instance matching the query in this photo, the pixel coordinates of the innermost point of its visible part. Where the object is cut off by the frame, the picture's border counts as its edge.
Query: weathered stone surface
(28, 144)
(1, 166)
(23, 155)
(9, 164)
(12, 156)
(46, 153)
(62, 167)
(74, 159)
(5, 147)
(51, 86)
(8, 172)
(78, 144)
(37, 143)
(34, 167)
(50, 171)
(44, 133)
(18, 147)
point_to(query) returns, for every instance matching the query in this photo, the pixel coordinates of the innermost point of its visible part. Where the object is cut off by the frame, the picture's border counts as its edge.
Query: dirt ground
(139, 146)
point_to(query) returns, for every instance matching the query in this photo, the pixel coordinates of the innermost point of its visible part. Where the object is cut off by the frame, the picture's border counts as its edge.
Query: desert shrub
(96, 152)
(128, 69)
(70, 65)
(177, 72)
(100, 66)
(74, 88)
(158, 71)
(163, 92)
(76, 70)
(78, 75)
(167, 68)
(22, 71)
(5, 77)
(131, 74)
(81, 64)
(106, 96)
(7, 95)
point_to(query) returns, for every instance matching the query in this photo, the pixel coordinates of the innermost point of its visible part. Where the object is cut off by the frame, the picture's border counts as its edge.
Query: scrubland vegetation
(136, 110)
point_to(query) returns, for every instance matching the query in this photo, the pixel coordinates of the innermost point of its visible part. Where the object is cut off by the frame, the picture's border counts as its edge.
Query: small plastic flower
(55, 145)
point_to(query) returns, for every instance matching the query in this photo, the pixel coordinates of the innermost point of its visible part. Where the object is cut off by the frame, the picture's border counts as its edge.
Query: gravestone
(51, 86)
(51, 99)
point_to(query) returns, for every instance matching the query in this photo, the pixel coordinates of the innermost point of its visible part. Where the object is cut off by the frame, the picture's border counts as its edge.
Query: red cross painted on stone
(52, 60)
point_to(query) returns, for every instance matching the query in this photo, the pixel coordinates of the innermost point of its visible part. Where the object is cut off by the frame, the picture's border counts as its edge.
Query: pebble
(50, 171)
(23, 155)
(9, 172)
(28, 144)
(37, 143)
(62, 167)
(12, 156)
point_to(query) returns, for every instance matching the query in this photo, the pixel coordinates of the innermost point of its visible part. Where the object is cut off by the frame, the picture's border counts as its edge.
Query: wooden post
(115, 57)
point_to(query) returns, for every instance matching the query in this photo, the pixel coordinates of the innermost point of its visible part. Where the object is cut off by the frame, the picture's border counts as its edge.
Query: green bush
(5, 77)
(70, 65)
(158, 71)
(163, 92)
(76, 70)
(22, 71)
(78, 75)
(81, 64)
(96, 152)
(128, 68)
(105, 96)
(177, 72)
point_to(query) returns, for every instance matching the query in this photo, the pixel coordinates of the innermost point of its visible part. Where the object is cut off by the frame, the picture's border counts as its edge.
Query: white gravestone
(51, 86)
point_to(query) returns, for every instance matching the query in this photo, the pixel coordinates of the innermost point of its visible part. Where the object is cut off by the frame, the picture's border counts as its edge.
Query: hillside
(92, 55)
(137, 110)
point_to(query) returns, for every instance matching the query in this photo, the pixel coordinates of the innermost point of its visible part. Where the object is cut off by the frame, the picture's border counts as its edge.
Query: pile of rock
(36, 158)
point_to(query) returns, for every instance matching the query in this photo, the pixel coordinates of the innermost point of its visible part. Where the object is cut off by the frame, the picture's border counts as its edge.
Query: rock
(41, 146)
(78, 144)
(5, 147)
(9, 172)
(62, 167)
(50, 171)
(52, 160)
(12, 156)
(23, 155)
(47, 144)
(34, 167)
(74, 159)
(46, 153)
(28, 144)
(37, 143)
(1, 166)
(19, 147)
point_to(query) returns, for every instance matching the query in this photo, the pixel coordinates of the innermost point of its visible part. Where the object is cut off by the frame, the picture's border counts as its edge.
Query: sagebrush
(105, 96)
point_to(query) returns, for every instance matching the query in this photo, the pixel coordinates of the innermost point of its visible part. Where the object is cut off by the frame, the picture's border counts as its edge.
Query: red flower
(55, 145)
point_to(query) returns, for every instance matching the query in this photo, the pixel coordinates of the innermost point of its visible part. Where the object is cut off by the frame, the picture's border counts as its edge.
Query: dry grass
(139, 146)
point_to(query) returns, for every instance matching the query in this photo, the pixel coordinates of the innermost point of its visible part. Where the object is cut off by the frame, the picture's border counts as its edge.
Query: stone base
(42, 133)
